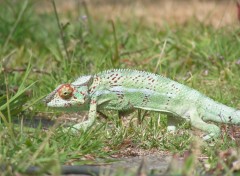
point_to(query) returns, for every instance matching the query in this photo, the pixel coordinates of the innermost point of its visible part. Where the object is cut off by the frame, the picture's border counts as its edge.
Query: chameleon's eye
(65, 91)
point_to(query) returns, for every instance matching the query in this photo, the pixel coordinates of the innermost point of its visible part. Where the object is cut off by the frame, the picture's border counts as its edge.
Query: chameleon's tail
(218, 112)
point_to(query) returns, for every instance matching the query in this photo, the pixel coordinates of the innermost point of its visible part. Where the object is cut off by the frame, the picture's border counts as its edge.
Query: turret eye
(65, 91)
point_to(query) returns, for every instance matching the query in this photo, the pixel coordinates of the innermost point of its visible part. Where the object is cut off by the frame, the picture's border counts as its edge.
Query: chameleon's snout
(49, 97)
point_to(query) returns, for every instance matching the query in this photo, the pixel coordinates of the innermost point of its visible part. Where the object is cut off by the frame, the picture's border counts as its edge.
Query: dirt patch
(150, 162)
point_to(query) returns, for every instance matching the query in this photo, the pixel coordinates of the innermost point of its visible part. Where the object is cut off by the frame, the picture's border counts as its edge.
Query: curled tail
(217, 112)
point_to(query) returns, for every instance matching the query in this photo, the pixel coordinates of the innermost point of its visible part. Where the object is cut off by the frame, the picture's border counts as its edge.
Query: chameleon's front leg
(91, 117)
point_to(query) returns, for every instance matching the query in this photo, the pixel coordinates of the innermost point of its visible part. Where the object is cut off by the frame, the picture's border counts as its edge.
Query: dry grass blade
(160, 56)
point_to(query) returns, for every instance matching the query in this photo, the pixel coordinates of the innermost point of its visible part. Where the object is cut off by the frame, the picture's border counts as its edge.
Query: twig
(85, 7)
(60, 29)
(116, 54)
(161, 55)
(9, 70)
(134, 52)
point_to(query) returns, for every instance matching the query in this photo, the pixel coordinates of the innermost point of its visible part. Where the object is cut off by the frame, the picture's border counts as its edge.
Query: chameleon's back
(154, 92)
(148, 91)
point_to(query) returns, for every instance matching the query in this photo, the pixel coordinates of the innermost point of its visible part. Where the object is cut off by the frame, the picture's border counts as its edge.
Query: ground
(193, 42)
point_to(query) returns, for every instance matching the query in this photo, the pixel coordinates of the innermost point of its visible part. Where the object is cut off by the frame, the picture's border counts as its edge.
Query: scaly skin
(129, 89)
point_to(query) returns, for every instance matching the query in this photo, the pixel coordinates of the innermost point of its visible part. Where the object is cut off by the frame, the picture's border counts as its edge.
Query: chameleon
(126, 89)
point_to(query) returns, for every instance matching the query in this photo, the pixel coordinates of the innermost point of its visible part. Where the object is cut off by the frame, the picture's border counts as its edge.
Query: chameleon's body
(129, 89)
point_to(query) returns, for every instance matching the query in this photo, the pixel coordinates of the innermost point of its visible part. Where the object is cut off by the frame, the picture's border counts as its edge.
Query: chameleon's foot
(171, 129)
(207, 137)
(210, 136)
(212, 130)
(80, 126)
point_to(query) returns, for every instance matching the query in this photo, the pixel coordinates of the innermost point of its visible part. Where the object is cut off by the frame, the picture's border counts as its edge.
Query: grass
(39, 51)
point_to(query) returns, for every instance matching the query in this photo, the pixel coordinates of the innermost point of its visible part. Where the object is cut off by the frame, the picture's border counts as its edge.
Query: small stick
(9, 70)
(60, 29)
(161, 55)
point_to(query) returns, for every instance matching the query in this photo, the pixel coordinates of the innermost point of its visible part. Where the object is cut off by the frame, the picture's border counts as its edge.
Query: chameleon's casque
(125, 89)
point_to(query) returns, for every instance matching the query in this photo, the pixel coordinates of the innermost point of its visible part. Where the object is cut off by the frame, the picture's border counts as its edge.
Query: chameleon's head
(70, 96)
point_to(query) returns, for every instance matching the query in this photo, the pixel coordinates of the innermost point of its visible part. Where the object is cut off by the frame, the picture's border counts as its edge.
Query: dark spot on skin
(145, 99)
(82, 93)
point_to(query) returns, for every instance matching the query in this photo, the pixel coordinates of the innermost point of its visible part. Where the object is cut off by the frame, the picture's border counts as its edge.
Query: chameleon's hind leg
(212, 130)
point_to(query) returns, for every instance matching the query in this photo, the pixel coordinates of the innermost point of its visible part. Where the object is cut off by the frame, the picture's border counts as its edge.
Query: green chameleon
(124, 89)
